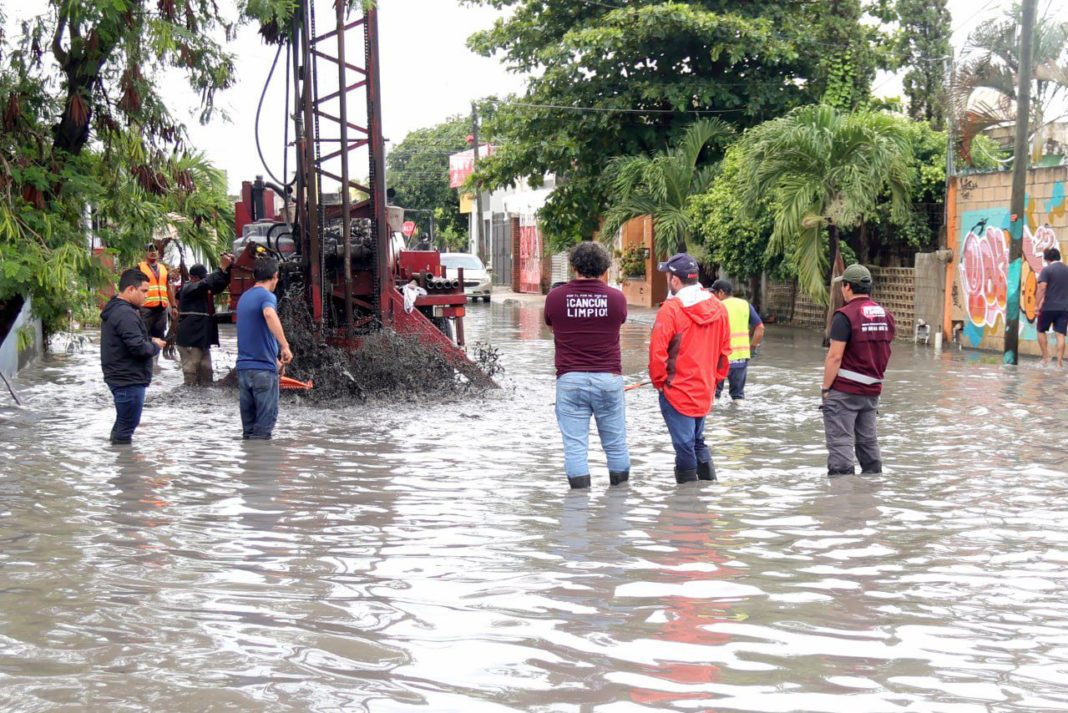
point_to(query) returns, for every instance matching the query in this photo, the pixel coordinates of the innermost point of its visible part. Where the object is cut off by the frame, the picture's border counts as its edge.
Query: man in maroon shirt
(585, 316)
(861, 334)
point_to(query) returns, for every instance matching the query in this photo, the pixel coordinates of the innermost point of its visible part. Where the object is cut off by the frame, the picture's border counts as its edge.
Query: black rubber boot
(617, 478)
(706, 471)
(875, 468)
(836, 473)
(579, 482)
(685, 476)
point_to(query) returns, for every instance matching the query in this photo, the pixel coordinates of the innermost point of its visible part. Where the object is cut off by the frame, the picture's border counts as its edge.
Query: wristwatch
(824, 392)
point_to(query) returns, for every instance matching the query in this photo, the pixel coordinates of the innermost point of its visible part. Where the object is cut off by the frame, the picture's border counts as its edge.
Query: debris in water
(386, 364)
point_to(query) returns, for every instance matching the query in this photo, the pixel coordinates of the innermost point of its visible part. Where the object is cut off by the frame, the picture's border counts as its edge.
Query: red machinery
(346, 256)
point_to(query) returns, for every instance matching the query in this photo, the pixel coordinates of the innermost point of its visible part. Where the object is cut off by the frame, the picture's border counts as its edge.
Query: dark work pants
(155, 319)
(687, 436)
(735, 379)
(259, 402)
(129, 402)
(849, 422)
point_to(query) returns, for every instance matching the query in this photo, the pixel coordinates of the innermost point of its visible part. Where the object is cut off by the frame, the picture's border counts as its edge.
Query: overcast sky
(428, 74)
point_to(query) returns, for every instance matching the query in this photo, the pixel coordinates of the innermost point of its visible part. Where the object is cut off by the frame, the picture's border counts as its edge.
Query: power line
(614, 111)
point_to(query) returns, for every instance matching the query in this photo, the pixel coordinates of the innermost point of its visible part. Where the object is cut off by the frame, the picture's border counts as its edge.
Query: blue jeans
(735, 379)
(129, 402)
(687, 435)
(579, 395)
(259, 402)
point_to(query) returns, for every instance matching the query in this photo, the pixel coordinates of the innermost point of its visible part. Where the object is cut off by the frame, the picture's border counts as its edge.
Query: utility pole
(479, 247)
(948, 102)
(1021, 154)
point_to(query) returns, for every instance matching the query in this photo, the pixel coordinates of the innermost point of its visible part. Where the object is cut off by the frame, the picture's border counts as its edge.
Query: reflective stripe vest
(157, 286)
(868, 350)
(738, 311)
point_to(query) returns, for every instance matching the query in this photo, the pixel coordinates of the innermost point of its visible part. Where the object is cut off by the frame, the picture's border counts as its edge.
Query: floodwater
(425, 556)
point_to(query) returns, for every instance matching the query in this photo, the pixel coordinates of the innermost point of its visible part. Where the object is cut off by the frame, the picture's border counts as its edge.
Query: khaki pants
(196, 366)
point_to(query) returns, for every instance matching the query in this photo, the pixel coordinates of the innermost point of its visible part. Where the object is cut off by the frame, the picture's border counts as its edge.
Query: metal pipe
(346, 196)
(383, 269)
(311, 197)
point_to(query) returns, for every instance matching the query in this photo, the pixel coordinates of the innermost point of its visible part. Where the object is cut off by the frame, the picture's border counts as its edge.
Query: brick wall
(894, 289)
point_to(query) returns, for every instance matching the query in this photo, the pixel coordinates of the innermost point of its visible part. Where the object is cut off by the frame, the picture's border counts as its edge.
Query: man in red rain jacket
(688, 353)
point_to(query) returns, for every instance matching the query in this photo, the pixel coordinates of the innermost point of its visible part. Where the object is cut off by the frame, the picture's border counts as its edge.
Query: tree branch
(57, 45)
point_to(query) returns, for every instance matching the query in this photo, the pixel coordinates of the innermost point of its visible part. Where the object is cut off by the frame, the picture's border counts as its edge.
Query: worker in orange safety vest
(161, 300)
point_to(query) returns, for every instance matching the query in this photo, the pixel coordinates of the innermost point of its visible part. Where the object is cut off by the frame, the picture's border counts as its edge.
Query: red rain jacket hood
(690, 350)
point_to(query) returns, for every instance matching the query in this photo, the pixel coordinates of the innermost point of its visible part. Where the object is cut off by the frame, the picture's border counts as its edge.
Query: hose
(259, 108)
(11, 390)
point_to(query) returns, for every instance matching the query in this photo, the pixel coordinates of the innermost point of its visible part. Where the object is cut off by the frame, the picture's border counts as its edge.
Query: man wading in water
(126, 353)
(261, 349)
(1052, 304)
(161, 299)
(688, 355)
(585, 316)
(197, 331)
(861, 333)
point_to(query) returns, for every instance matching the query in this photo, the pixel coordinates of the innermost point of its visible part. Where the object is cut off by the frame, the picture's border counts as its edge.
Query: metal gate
(502, 250)
(561, 268)
(529, 255)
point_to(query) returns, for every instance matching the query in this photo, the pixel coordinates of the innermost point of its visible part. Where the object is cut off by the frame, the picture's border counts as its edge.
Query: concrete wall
(11, 359)
(978, 235)
(929, 282)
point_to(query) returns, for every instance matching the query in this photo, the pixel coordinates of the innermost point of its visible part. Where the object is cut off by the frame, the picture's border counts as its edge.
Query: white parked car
(477, 281)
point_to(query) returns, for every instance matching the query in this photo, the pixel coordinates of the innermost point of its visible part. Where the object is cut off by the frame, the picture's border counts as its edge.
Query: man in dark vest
(861, 333)
(197, 330)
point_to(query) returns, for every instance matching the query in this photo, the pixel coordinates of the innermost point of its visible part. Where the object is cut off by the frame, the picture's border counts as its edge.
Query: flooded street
(424, 556)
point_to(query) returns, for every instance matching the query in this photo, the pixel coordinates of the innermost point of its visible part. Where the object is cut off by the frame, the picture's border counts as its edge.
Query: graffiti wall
(979, 238)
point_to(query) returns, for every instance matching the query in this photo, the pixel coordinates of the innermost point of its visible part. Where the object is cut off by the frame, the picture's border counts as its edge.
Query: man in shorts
(1052, 302)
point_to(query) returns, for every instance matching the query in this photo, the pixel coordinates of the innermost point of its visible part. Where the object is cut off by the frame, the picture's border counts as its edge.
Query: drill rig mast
(344, 253)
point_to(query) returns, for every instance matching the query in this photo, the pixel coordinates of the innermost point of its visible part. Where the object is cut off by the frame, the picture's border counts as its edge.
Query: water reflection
(425, 556)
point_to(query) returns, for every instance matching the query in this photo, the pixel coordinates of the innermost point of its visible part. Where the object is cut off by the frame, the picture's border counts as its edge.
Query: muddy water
(425, 556)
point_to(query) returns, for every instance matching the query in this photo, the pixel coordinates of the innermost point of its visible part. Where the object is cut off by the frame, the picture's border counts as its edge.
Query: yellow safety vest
(738, 312)
(157, 286)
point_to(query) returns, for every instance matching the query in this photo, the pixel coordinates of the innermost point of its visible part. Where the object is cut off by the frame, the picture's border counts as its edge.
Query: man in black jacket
(126, 353)
(197, 330)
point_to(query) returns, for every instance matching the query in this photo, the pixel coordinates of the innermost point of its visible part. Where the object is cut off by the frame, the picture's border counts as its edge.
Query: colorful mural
(983, 266)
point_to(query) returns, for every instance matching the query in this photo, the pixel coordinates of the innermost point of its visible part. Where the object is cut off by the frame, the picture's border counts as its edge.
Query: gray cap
(855, 274)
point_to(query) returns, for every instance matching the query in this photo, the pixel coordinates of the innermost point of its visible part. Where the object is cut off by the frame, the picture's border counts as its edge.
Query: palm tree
(984, 89)
(661, 186)
(823, 168)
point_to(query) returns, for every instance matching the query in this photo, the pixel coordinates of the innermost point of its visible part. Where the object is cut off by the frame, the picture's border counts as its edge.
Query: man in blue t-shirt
(261, 349)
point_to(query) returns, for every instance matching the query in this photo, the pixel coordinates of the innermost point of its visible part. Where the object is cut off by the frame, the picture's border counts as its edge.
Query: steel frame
(318, 153)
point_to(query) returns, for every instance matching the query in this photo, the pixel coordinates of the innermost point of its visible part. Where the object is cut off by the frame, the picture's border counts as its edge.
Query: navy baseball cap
(680, 265)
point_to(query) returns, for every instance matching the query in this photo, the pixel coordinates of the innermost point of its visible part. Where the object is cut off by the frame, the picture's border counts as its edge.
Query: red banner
(462, 164)
(529, 255)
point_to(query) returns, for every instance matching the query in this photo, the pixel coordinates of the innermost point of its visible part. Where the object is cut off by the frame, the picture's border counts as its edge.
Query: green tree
(734, 238)
(417, 169)
(662, 186)
(849, 52)
(923, 47)
(992, 63)
(824, 168)
(626, 78)
(89, 146)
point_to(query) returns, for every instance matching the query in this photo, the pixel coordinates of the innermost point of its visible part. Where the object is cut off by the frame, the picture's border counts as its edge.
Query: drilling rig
(333, 235)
